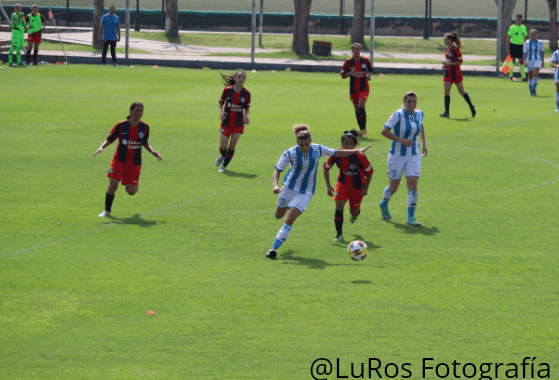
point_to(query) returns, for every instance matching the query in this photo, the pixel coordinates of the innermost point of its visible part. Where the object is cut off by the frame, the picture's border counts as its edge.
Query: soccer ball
(357, 250)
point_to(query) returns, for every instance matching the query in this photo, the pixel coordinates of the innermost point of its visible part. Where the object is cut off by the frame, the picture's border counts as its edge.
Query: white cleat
(105, 214)
(219, 160)
(222, 169)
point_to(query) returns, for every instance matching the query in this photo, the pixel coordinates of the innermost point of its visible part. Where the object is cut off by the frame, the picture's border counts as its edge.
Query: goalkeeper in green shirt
(18, 29)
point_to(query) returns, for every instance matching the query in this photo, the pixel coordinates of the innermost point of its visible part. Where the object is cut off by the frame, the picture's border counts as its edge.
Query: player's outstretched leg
(339, 222)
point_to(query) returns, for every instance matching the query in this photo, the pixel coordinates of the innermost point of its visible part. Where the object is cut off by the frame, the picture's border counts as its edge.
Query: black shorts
(516, 51)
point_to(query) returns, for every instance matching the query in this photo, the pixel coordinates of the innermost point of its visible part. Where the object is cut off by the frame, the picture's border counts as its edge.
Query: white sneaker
(219, 160)
(557, 110)
(222, 169)
(104, 214)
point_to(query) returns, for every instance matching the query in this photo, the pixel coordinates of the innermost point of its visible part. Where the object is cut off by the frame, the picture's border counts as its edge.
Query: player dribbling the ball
(299, 183)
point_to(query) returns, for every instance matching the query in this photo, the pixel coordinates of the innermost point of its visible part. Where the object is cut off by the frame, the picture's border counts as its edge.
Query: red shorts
(454, 81)
(228, 131)
(344, 192)
(358, 96)
(34, 37)
(125, 173)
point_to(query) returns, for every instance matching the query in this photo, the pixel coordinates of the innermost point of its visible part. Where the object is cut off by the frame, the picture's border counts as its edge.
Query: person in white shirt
(403, 127)
(300, 182)
(555, 65)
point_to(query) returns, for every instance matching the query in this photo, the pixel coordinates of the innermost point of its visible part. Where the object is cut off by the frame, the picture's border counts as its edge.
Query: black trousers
(106, 44)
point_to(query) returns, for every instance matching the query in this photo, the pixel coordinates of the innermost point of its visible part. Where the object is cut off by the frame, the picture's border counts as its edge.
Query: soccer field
(476, 284)
(440, 8)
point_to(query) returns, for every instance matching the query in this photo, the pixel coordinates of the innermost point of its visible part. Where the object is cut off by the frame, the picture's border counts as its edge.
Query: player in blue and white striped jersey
(403, 127)
(534, 58)
(555, 64)
(300, 182)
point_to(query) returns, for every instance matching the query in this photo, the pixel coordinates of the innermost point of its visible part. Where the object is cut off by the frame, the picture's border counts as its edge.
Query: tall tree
(506, 21)
(301, 26)
(98, 11)
(172, 18)
(358, 24)
(552, 4)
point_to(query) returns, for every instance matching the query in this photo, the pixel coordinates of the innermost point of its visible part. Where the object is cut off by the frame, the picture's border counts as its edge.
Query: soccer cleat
(102, 64)
(105, 214)
(557, 110)
(364, 133)
(222, 169)
(384, 211)
(219, 160)
(12, 64)
(473, 109)
(115, 65)
(412, 222)
(353, 218)
(535, 92)
(339, 237)
(272, 253)
(21, 64)
(445, 114)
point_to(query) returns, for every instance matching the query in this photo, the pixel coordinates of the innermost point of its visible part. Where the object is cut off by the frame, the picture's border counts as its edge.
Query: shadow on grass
(240, 175)
(311, 263)
(413, 230)
(136, 219)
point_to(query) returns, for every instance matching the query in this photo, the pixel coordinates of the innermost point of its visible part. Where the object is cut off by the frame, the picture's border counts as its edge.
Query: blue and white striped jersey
(406, 126)
(533, 50)
(302, 173)
(555, 60)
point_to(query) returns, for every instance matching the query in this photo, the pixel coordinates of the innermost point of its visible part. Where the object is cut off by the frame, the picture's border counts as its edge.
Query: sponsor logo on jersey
(134, 145)
(350, 173)
(236, 108)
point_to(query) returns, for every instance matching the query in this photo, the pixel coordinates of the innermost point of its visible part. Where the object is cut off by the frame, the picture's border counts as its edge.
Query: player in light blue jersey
(403, 127)
(300, 182)
(555, 64)
(533, 56)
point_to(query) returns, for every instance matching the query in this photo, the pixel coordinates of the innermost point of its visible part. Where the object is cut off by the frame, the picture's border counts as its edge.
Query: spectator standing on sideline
(109, 33)
(517, 35)
(18, 28)
(36, 22)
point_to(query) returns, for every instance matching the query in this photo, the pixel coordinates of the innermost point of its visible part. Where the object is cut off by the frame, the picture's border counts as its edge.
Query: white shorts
(556, 76)
(289, 198)
(398, 165)
(532, 64)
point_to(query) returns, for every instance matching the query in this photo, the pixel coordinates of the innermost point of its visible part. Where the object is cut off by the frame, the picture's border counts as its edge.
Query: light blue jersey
(555, 60)
(302, 173)
(533, 50)
(405, 126)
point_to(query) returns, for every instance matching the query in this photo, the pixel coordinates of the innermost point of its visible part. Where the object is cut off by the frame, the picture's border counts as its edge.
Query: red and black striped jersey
(353, 169)
(358, 82)
(453, 55)
(130, 141)
(235, 104)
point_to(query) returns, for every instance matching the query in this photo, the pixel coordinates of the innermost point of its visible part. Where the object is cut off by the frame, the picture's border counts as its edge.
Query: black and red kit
(357, 83)
(235, 105)
(130, 141)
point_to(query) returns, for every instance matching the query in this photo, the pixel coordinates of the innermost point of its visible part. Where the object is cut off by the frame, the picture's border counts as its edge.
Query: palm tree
(98, 11)
(301, 26)
(172, 18)
(552, 4)
(506, 19)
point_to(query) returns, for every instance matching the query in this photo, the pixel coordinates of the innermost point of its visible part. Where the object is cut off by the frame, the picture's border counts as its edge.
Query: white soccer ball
(357, 250)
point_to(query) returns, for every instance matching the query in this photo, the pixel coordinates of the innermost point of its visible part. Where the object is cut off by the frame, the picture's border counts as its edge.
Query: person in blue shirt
(300, 182)
(109, 33)
(403, 127)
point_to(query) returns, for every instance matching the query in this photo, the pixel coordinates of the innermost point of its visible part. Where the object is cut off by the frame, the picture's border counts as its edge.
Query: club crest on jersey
(141, 134)
(352, 167)
(110, 171)
(242, 100)
(363, 65)
(124, 142)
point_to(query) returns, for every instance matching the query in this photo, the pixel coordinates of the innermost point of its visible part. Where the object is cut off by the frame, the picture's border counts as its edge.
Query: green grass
(477, 283)
(450, 8)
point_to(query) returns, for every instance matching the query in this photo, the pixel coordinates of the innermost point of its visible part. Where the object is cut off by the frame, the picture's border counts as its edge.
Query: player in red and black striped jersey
(453, 73)
(234, 106)
(132, 135)
(359, 71)
(353, 181)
